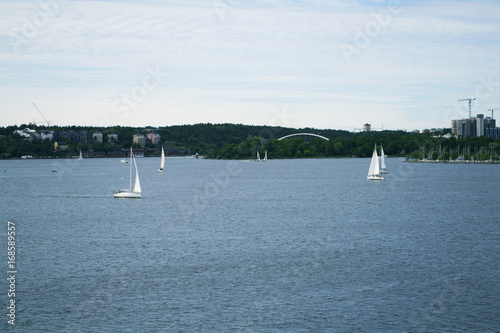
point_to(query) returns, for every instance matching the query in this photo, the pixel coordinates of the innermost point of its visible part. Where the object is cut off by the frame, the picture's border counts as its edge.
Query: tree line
(238, 141)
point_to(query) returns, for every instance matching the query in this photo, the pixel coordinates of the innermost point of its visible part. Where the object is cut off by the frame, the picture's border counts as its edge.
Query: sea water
(305, 245)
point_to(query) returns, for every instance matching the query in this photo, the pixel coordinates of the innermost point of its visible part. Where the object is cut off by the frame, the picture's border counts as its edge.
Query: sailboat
(81, 156)
(131, 193)
(258, 156)
(374, 171)
(383, 168)
(162, 163)
(265, 157)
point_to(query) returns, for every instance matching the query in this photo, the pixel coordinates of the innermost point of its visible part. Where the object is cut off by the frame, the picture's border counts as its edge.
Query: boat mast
(130, 187)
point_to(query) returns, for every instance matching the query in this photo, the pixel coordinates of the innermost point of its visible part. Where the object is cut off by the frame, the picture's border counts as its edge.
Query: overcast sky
(311, 63)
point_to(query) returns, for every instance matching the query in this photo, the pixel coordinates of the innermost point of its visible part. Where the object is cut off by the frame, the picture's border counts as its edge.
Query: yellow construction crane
(47, 121)
(34, 123)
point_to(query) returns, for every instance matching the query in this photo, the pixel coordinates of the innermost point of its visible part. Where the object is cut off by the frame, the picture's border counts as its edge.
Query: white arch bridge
(302, 134)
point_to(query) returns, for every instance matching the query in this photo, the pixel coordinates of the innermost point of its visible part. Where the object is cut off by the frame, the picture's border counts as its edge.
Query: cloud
(230, 55)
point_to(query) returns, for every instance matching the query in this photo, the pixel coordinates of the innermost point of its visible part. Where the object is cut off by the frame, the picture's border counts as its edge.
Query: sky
(296, 63)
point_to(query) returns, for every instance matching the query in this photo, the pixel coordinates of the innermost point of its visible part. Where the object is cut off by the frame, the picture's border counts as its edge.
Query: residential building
(474, 127)
(80, 136)
(60, 145)
(493, 133)
(139, 139)
(112, 138)
(153, 138)
(97, 136)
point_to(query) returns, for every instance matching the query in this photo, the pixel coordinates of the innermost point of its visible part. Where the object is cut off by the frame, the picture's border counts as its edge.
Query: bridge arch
(301, 134)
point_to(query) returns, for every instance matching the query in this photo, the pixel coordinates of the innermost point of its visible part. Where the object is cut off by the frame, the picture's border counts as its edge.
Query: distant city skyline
(323, 64)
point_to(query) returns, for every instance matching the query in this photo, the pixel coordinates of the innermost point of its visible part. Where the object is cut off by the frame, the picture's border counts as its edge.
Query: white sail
(383, 167)
(258, 156)
(81, 156)
(374, 171)
(162, 163)
(265, 156)
(137, 185)
(162, 158)
(136, 193)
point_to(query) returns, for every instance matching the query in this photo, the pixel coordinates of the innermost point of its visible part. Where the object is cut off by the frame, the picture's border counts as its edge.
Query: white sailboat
(265, 157)
(383, 167)
(81, 156)
(136, 191)
(162, 163)
(374, 171)
(258, 156)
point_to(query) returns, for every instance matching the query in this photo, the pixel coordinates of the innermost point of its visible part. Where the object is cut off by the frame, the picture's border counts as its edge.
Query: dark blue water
(281, 246)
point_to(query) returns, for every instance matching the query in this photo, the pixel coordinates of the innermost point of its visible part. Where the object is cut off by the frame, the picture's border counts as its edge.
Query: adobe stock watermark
(484, 90)
(280, 117)
(373, 28)
(123, 105)
(222, 8)
(219, 181)
(48, 10)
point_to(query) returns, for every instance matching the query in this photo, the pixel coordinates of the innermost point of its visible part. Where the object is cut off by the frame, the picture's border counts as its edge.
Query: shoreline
(452, 162)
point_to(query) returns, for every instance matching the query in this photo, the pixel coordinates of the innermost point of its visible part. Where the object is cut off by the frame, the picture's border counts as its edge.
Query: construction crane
(34, 123)
(492, 111)
(47, 121)
(470, 102)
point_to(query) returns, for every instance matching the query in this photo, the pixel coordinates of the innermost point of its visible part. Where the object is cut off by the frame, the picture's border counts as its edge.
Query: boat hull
(375, 177)
(131, 195)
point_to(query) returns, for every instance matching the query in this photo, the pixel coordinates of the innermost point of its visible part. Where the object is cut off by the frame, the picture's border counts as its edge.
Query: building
(80, 136)
(153, 138)
(60, 146)
(367, 127)
(137, 152)
(139, 139)
(474, 127)
(97, 136)
(112, 138)
(26, 133)
(493, 133)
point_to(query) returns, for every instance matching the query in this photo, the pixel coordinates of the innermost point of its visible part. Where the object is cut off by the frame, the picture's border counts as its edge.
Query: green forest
(237, 141)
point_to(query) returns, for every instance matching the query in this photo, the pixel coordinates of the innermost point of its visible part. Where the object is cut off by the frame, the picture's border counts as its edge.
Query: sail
(162, 158)
(137, 184)
(81, 156)
(265, 156)
(128, 193)
(382, 158)
(374, 167)
(258, 156)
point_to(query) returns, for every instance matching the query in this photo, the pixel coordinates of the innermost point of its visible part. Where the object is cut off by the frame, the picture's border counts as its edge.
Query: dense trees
(237, 141)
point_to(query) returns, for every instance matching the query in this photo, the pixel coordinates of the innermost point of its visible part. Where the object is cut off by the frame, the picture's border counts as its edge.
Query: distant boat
(265, 157)
(374, 171)
(383, 168)
(81, 156)
(162, 163)
(258, 157)
(131, 193)
(124, 160)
